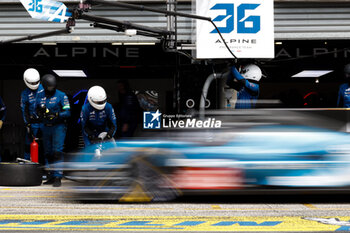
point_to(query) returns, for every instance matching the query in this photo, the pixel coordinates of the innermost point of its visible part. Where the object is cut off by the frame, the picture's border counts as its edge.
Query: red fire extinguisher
(34, 151)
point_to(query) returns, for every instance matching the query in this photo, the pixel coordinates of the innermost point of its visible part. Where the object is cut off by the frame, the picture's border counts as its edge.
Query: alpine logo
(246, 22)
(48, 10)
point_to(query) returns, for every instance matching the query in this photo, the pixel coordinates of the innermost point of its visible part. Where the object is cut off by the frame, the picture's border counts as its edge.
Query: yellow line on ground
(310, 206)
(170, 223)
(70, 229)
(216, 207)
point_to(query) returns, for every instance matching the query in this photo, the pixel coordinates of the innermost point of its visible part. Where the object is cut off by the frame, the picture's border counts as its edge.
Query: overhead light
(278, 42)
(50, 43)
(311, 73)
(139, 43)
(185, 48)
(130, 32)
(76, 38)
(70, 73)
(117, 43)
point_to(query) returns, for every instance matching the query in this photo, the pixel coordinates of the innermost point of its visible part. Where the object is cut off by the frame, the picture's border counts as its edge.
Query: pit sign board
(246, 25)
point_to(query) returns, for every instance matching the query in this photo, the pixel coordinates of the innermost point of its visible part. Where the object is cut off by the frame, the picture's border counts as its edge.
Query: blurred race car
(265, 158)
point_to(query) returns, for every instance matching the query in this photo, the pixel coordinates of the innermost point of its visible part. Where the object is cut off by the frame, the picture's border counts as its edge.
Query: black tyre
(155, 184)
(20, 174)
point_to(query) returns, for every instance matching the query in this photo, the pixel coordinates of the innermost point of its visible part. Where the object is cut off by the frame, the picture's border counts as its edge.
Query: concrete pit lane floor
(43, 209)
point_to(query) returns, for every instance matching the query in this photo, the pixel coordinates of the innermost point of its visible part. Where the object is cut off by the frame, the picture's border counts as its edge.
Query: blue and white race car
(269, 158)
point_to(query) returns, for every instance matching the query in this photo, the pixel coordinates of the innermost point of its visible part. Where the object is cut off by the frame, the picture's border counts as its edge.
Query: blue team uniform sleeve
(24, 101)
(113, 119)
(65, 111)
(236, 74)
(83, 117)
(2, 110)
(252, 87)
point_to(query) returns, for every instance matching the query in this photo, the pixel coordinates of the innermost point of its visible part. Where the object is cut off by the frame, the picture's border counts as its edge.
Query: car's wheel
(150, 182)
(20, 174)
(135, 181)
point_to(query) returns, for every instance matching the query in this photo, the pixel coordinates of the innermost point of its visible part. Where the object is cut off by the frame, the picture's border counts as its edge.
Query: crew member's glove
(28, 129)
(109, 136)
(1, 123)
(102, 136)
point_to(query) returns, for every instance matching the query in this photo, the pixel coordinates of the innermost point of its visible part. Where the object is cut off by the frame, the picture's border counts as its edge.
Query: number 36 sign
(246, 25)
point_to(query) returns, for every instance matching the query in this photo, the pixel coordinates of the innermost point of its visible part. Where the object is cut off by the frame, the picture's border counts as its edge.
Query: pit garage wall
(12, 134)
(146, 68)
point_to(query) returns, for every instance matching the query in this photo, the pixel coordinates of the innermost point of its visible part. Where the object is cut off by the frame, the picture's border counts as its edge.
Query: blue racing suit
(248, 91)
(30, 118)
(2, 116)
(56, 112)
(344, 96)
(95, 121)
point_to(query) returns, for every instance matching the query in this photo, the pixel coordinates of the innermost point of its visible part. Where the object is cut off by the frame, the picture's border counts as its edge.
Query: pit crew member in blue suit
(54, 109)
(31, 78)
(246, 84)
(344, 90)
(98, 119)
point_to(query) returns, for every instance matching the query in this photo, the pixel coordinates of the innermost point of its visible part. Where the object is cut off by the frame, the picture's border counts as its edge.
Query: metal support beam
(41, 35)
(171, 43)
(144, 8)
(123, 24)
(119, 29)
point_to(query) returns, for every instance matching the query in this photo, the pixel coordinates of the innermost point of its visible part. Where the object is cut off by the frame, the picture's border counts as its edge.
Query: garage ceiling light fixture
(139, 43)
(49, 43)
(311, 73)
(70, 73)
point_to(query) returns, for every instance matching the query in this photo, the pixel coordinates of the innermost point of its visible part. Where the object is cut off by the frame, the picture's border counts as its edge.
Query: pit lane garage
(149, 72)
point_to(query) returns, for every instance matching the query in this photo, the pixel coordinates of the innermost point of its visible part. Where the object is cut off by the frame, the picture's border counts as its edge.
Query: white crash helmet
(251, 72)
(97, 97)
(31, 78)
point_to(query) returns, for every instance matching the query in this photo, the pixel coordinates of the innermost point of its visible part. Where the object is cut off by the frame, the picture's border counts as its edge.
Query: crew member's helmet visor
(99, 102)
